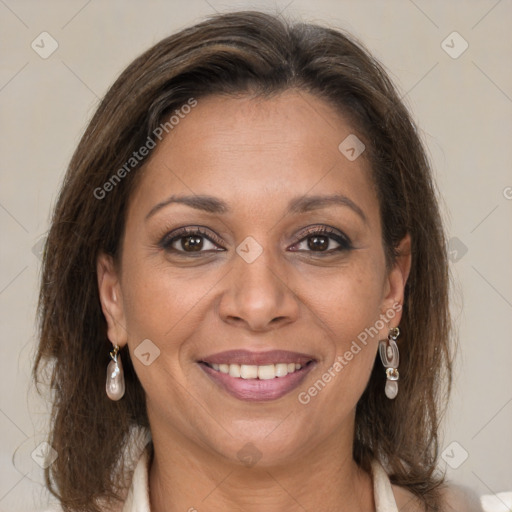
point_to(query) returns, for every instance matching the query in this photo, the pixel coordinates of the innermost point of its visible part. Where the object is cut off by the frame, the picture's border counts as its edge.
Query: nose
(258, 295)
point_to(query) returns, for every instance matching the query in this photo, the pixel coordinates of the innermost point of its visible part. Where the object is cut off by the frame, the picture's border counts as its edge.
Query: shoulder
(459, 497)
(454, 498)
(406, 501)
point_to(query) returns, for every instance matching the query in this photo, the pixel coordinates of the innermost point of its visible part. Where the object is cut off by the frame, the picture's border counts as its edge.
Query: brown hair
(237, 53)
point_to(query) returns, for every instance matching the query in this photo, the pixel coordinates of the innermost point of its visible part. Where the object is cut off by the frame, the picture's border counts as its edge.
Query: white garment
(137, 499)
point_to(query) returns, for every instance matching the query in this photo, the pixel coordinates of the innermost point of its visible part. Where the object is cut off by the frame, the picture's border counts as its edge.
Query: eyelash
(340, 238)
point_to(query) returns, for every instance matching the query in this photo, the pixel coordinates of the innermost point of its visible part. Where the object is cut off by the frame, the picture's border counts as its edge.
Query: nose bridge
(258, 291)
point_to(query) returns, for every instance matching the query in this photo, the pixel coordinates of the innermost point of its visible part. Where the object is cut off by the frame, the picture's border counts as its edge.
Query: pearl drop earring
(115, 386)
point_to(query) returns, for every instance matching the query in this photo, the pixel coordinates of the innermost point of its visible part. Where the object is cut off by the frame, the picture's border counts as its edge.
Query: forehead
(258, 150)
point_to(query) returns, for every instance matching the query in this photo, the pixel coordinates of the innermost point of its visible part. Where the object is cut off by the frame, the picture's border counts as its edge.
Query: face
(252, 264)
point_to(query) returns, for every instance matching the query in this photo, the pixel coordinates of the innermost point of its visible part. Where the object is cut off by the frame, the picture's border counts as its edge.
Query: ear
(111, 299)
(396, 280)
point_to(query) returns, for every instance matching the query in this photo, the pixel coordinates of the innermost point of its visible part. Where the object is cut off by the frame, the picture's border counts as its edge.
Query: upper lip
(257, 358)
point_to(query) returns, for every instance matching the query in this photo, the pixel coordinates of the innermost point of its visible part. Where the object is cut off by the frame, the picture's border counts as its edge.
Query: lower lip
(258, 390)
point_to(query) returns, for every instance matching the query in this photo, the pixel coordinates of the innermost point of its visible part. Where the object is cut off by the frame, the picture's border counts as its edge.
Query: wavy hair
(238, 53)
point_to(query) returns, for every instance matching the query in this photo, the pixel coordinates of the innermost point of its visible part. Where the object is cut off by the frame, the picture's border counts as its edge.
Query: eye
(194, 241)
(190, 241)
(321, 240)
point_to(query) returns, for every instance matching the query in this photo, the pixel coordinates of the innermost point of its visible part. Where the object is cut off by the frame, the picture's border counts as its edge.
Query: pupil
(318, 242)
(195, 243)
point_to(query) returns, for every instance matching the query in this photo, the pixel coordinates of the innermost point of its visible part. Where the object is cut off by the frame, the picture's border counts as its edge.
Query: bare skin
(256, 155)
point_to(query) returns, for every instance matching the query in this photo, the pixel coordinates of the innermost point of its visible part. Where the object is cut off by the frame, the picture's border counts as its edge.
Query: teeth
(281, 369)
(267, 372)
(234, 370)
(264, 372)
(248, 371)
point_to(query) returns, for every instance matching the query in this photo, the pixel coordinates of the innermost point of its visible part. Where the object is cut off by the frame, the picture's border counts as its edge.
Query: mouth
(257, 376)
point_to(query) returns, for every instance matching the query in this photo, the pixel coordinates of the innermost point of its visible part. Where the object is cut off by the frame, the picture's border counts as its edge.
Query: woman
(248, 243)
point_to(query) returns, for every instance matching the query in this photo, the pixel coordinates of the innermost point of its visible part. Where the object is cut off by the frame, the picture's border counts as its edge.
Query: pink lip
(257, 358)
(256, 390)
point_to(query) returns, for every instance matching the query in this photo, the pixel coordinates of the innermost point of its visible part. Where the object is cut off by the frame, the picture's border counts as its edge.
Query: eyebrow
(298, 205)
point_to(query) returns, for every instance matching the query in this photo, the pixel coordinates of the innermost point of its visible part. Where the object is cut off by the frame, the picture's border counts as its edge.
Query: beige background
(463, 106)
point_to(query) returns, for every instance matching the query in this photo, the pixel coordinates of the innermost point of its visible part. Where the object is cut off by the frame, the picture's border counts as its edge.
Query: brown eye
(321, 240)
(190, 241)
(320, 243)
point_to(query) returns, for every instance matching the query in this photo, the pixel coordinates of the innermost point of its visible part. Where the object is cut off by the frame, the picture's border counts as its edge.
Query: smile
(262, 380)
(265, 372)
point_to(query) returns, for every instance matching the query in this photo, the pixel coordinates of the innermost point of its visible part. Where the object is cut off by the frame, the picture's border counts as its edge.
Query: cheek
(340, 380)
(354, 324)
(160, 302)
(357, 311)
(349, 299)
(161, 305)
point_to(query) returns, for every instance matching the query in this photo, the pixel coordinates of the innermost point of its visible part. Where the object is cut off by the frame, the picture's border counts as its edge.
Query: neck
(185, 477)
